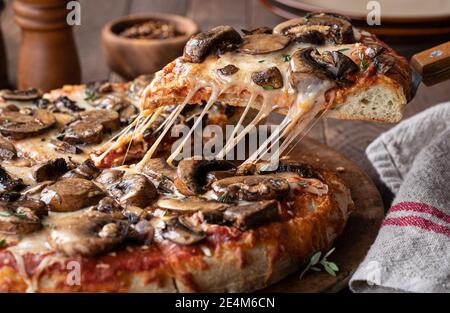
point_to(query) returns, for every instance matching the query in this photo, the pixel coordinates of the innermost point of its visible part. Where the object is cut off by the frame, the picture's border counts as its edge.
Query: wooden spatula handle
(433, 64)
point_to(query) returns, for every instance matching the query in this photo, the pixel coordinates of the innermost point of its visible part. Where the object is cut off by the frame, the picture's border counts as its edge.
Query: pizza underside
(88, 201)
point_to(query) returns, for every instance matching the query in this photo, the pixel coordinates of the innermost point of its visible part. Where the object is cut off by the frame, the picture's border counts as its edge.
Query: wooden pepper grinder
(48, 56)
(3, 68)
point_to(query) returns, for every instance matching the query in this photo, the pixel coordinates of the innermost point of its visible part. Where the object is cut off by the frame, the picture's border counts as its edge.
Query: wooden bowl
(131, 57)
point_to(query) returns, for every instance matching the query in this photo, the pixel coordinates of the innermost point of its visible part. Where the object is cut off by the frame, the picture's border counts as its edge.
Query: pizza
(91, 199)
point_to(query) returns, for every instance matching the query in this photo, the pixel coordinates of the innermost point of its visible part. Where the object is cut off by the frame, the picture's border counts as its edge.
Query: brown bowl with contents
(136, 45)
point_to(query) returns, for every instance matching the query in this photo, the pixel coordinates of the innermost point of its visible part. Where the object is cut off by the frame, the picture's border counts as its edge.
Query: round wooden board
(360, 231)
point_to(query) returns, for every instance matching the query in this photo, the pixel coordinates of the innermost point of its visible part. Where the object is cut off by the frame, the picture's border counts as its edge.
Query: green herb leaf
(224, 198)
(329, 253)
(308, 15)
(286, 57)
(90, 95)
(267, 87)
(315, 258)
(2, 243)
(330, 267)
(261, 61)
(364, 65)
(302, 184)
(5, 214)
(315, 269)
(343, 49)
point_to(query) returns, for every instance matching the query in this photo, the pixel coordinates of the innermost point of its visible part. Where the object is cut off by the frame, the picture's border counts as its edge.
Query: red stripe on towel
(417, 221)
(422, 208)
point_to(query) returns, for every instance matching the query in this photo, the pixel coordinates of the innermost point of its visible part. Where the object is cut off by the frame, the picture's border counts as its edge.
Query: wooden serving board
(360, 231)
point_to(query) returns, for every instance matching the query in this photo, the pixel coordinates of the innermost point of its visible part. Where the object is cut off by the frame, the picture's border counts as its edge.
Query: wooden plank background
(349, 137)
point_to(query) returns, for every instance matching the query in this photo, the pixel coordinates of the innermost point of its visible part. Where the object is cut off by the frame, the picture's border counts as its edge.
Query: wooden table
(349, 137)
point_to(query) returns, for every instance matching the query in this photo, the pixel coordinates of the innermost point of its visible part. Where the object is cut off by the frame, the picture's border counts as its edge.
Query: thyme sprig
(330, 267)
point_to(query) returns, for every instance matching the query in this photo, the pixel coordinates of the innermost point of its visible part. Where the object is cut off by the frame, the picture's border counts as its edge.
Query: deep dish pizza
(88, 201)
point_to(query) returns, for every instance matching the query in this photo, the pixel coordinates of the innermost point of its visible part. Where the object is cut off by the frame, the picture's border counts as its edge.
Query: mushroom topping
(8, 183)
(191, 174)
(250, 188)
(97, 88)
(161, 174)
(85, 132)
(7, 149)
(318, 28)
(264, 43)
(65, 147)
(108, 118)
(335, 65)
(228, 70)
(133, 190)
(88, 235)
(109, 176)
(384, 62)
(50, 170)
(179, 233)
(19, 125)
(128, 114)
(109, 205)
(142, 232)
(71, 194)
(21, 215)
(134, 214)
(22, 95)
(220, 38)
(86, 170)
(64, 104)
(302, 169)
(189, 204)
(259, 30)
(269, 79)
(252, 215)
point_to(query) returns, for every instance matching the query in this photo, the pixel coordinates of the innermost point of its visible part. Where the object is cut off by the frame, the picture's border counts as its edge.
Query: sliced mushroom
(50, 170)
(264, 43)
(18, 125)
(189, 204)
(220, 38)
(302, 62)
(7, 149)
(128, 114)
(71, 194)
(384, 63)
(259, 30)
(65, 147)
(21, 214)
(250, 188)
(64, 104)
(318, 28)
(86, 170)
(270, 78)
(97, 88)
(161, 174)
(83, 132)
(302, 169)
(134, 214)
(109, 119)
(180, 234)
(88, 235)
(337, 64)
(22, 95)
(142, 232)
(109, 205)
(133, 190)
(191, 174)
(109, 176)
(8, 183)
(252, 215)
(228, 70)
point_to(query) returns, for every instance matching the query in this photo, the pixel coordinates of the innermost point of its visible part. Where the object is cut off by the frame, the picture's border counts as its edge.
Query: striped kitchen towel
(412, 250)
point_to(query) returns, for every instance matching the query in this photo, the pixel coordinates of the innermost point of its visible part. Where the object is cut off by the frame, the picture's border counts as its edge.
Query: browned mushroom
(161, 174)
(180, 233)
(189, 204)
(109, 119)
(269, 79)
(21, 216)
(67, 105)
(133, 190)
(88, 235)
(8, 183)
(71, 194)
(259, 30)
(109, 176)
(264, 43)
(83, 132)
(220, 38)
(250, 188)
(228, 70)
(50, 170)
(252, 215)
(191, 174)
(318, 28)
(19, 125)
(65, 147)
(302, 169)
(22, 95)
(86, 170)
(7, 149)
